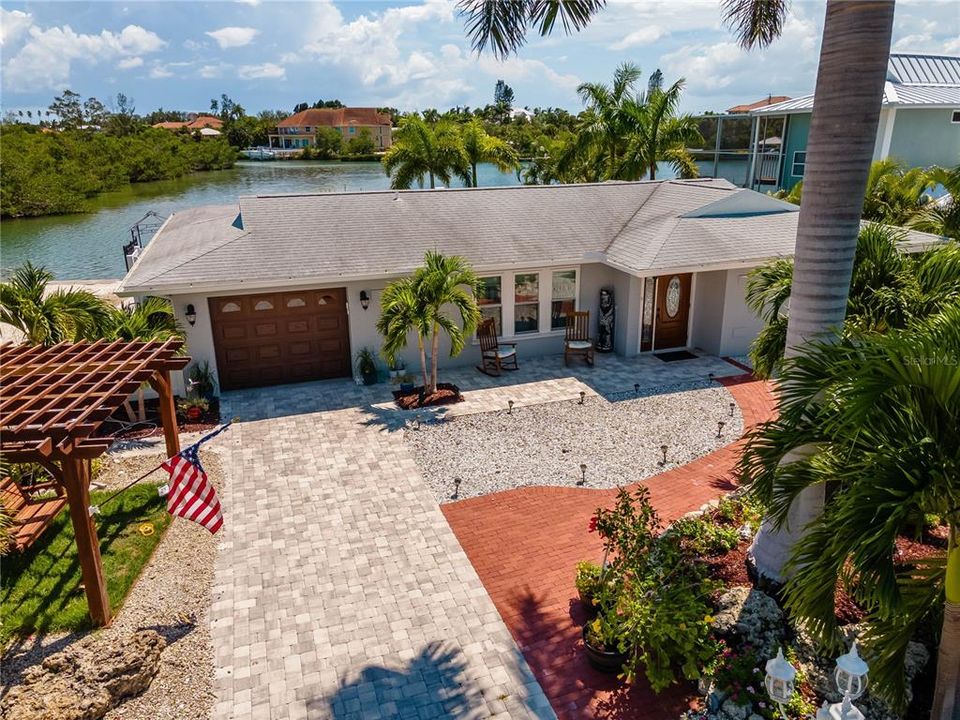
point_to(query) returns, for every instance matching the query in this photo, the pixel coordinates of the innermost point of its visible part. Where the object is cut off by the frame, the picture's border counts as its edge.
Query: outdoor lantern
(663, 449)
(636, 387)
(851, 673)
(732, 407)
(364, 299)
(509, 407)
(582, 396)
(191, 315)
(583, 473)
(720, 424)
(779, 680)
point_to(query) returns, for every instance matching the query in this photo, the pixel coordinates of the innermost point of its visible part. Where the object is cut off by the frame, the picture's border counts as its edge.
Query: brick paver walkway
(525, 543)
(340, 590)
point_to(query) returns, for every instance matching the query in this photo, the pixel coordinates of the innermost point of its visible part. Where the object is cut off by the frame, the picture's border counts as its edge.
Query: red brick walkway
(525, 543)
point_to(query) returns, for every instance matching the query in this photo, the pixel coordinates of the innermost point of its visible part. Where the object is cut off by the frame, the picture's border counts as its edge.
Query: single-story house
(919, 120)
(195, 122)
(285, 288)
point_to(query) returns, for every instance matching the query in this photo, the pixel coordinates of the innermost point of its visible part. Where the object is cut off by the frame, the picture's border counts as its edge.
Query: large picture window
(490, 300)
(526, 303)
(563, 300)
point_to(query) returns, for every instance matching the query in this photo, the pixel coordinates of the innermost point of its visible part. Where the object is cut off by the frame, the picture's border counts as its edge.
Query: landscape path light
(851, 678)
(779, 680)
(583, 474)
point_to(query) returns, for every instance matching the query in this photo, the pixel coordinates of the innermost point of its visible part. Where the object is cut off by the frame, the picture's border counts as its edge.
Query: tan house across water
(300, 130)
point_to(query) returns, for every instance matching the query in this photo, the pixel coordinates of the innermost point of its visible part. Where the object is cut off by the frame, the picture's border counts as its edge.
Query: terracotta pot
(194, 413)
(603, 660)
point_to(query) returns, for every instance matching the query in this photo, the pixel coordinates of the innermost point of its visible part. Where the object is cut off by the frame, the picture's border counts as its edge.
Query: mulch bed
(446, 394)
(153, 427)
(731, 567)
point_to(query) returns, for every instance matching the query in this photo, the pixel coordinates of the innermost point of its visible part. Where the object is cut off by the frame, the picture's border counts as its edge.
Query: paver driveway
(340, 590)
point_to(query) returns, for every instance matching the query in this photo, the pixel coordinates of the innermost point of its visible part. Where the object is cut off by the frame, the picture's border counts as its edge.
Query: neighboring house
(270, 290)
(769, 100)
(919, 122)
(300, 130)
(208, 125)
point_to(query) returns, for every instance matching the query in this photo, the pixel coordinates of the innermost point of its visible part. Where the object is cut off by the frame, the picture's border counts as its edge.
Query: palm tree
(660, 134)
(889, 288)
(419, 304)
(882, 414)
(941, 216)
(151, 320)
(47, 318)
(480, 147)
(401, 311)
(423, 151)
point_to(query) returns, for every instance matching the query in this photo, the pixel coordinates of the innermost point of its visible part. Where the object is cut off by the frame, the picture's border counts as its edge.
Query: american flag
(191, 495)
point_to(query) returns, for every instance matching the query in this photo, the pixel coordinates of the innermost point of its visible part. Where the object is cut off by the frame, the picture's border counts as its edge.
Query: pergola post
(160, 382)
(76, 480)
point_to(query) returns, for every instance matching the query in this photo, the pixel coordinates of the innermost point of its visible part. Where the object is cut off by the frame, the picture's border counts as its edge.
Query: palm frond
(755, 22)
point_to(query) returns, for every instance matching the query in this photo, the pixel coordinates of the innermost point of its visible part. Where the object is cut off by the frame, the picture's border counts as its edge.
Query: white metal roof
(913, 80)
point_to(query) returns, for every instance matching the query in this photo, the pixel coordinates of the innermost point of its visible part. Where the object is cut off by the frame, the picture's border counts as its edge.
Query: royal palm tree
(151, 320)
(659, 134)
(479, 147)
(421, 151)
(882, 414)
(47, 318)
(889, 288)
(420, 303)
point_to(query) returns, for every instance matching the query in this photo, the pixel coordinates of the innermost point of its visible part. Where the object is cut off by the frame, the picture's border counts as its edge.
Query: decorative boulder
(751, 616)
(86, 680)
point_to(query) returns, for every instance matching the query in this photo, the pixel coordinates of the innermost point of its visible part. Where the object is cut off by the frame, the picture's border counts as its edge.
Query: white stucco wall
(363, 331)
(706, 328)
(740, 325)
(626, 299)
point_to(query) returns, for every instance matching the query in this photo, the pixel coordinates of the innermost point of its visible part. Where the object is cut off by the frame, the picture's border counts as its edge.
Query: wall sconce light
(191, 315)
(364, 299)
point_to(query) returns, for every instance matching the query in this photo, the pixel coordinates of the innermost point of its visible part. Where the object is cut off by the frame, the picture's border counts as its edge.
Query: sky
(411, 55)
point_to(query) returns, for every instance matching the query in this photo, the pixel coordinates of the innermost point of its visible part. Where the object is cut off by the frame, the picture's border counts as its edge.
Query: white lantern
(851, 674)
(779, 680)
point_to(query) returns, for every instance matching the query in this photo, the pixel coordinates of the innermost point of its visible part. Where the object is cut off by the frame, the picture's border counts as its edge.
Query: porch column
(168, 411)
(75, 477)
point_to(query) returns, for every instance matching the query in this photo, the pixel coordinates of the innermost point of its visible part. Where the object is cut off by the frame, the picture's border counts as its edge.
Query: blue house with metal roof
(919, 122)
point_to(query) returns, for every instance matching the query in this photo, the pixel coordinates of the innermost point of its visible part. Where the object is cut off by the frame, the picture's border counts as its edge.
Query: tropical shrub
(588, 579)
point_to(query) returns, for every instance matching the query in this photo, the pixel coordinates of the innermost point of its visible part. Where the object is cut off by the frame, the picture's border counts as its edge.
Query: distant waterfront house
(747, 107)
(300, 130)
(270, 290)
(195, 122)
(919, 122)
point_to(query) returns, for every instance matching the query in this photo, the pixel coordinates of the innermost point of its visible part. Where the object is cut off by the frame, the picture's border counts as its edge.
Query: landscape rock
(752, 616)
(735, 712)
(87, 680)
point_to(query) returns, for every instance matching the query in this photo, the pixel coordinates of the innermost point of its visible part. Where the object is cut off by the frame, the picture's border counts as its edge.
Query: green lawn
(41, 587)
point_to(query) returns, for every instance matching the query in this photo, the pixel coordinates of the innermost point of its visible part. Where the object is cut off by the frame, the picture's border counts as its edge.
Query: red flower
(593, 524)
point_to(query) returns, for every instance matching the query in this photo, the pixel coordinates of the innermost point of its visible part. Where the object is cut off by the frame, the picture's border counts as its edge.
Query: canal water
(89, 246)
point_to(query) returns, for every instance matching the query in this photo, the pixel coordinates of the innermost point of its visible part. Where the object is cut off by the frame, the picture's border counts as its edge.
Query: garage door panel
(281, 337)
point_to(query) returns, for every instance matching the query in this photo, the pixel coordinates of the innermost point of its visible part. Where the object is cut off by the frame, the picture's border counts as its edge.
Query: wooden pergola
(54, 400)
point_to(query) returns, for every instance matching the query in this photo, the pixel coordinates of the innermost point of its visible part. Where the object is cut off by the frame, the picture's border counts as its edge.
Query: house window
(352, 130)
(563, 299)
(955, 118)
(799, 163)
(490, 300)
(526, 303)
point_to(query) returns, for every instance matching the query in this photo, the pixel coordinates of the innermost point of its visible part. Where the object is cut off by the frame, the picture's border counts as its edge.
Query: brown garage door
(280, 337)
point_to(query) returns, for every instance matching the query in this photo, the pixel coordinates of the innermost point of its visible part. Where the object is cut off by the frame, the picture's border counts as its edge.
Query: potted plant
(397, 368)
(201, 380)
(367, 366)
(406, 383)
(193, 407)
(587, 581)
(604, 638)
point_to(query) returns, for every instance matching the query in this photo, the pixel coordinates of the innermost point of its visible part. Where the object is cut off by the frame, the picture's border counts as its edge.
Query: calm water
(89, 246)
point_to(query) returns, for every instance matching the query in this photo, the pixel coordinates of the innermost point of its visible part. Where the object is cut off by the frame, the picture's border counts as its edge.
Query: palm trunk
(653, 171)
(434, 351)
(946, 695)
(843, 129)
(474, 167)
(423, 359)
(432, 186)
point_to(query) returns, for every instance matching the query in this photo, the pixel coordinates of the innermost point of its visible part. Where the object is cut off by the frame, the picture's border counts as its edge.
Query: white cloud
(230, 37)
(644, 36)
(209, 72)
(515, 68)
(130, 63)
(159, 72)
(13, 23)
(45, 59)
(264, 70)
(252, 3)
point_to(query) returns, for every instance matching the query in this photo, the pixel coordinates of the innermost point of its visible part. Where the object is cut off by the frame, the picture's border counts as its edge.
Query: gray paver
(340, 590)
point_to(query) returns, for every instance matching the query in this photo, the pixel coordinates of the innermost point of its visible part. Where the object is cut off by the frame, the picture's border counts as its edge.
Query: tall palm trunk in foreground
(849, 93)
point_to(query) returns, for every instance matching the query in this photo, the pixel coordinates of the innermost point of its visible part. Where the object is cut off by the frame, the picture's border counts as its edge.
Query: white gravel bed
(545, 444)
(171, 596)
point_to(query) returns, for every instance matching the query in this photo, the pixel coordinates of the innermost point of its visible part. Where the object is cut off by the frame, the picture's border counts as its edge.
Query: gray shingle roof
(296, 239)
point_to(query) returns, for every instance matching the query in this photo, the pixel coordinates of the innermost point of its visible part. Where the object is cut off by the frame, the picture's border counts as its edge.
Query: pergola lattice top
(54, 398)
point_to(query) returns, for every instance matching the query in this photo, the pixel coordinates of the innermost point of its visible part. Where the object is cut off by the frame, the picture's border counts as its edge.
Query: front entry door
(673, 311)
